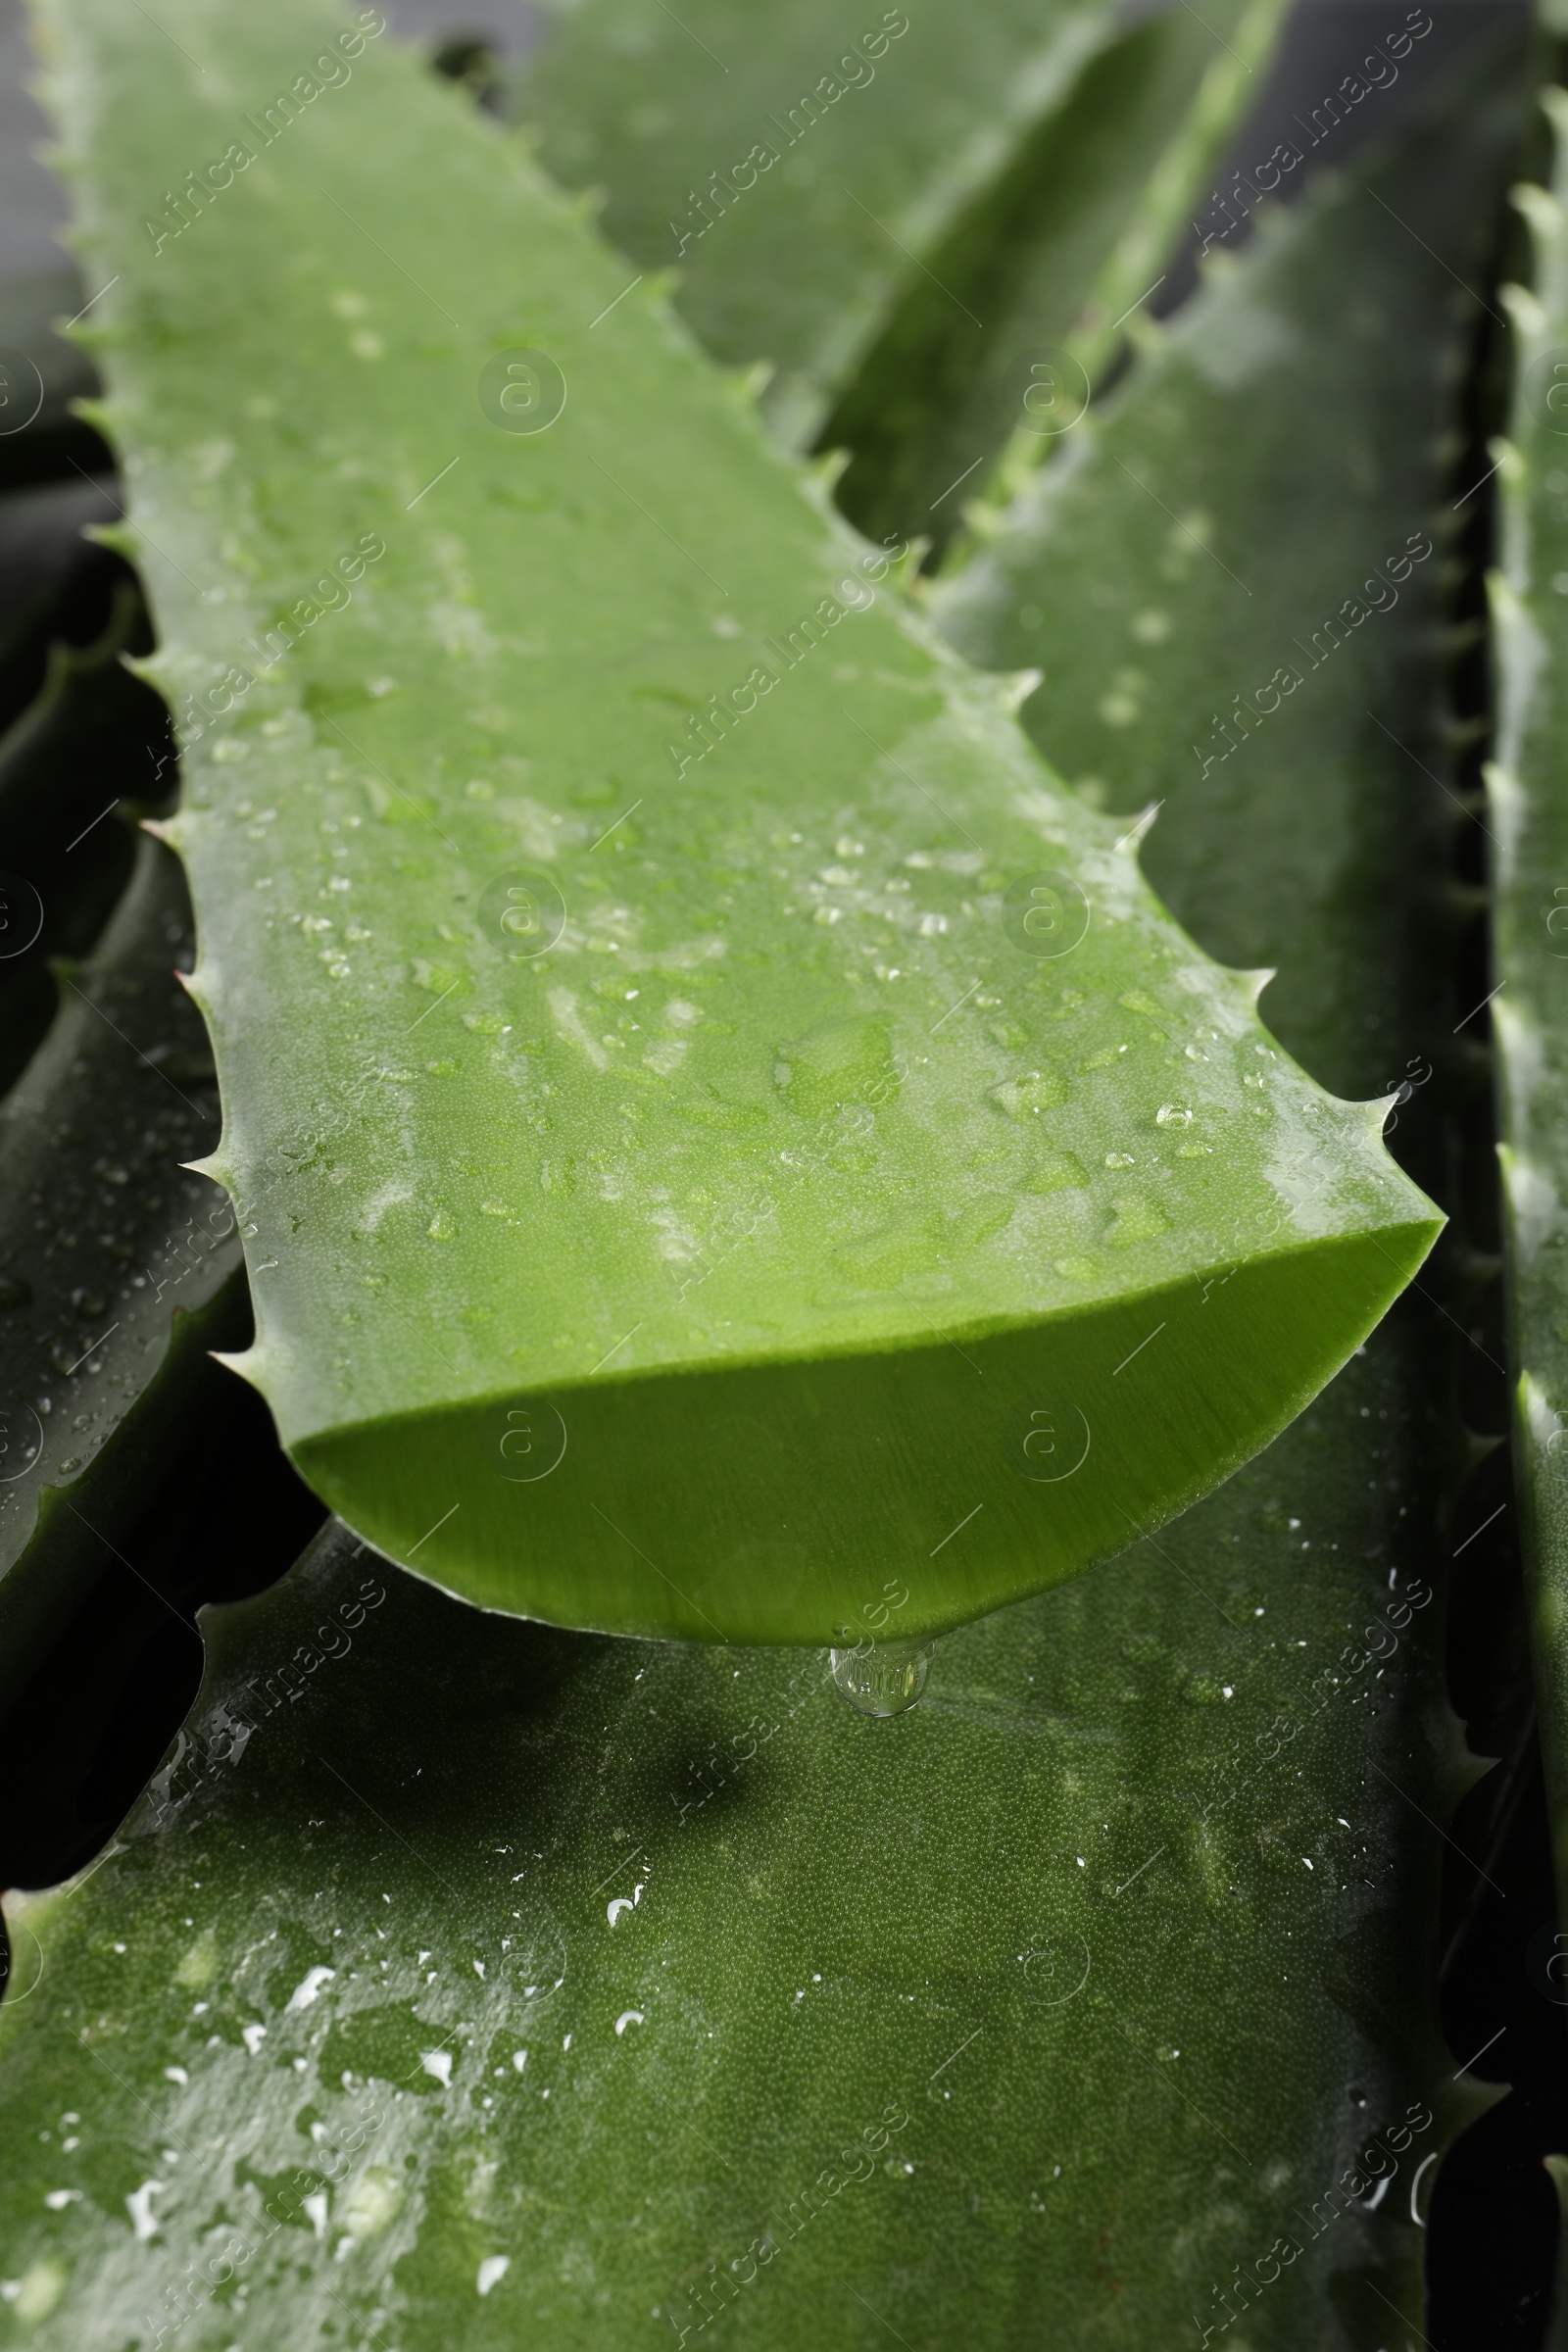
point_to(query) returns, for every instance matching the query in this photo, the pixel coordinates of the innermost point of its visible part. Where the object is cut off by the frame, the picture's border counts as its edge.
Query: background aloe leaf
(55, 584)
(102, 1234)
(757, 1169)
(121, 1459)
(118, 1273)
(1185, 660)
(1134, 1772)
(949, 140)
(1048, 1934)
(119, 1268)
(1070, 238)
(93, 741)
(1527, 821)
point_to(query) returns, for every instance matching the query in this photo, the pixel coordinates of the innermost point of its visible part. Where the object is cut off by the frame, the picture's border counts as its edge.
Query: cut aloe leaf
(803, 175)
(713, 1121)
(1528, 822)
(1131, 1918)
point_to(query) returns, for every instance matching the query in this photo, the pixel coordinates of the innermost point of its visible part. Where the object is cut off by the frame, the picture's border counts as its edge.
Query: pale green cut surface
(698, 1269)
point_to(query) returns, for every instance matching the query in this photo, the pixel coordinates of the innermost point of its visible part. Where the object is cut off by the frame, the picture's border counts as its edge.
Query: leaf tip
(118, 537)
(1133, 838)
(755, 380)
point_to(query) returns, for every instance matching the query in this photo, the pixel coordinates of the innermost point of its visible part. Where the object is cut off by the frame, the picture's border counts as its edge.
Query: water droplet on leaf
(885, 1678)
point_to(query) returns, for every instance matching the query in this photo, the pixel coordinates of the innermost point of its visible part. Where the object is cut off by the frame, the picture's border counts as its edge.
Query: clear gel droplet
(883, 1678)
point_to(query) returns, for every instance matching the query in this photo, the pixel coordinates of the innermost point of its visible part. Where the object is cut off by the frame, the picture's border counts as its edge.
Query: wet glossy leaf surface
(797, 167)
(1528, 822)
(638, 1008)
(1141, 1890)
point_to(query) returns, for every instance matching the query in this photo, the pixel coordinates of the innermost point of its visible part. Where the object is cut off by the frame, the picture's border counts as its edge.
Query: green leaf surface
(794, 165)
(1528, 822)
(1009, 190)
(463, 1982)
(1144, 1837)
(667, 1013)
(1272, 686)
(1020, 312)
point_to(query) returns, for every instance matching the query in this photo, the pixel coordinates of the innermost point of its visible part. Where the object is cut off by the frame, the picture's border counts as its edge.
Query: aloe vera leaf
(1304, 848)
(1037, 1946)
(1275, 704)
(93, 742)
(1528, 824)
(1069, 240)
(54, 584)
(119, 1268)
(109, 1453)
(800, 1200)
(804, 261)
(1167, 1728)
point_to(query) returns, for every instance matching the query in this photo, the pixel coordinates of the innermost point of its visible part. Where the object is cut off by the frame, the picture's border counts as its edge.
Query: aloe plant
(1119, 1840)
(1528, 833)
(799, 190)
(926, 267)
(117, 1267)
(108, 1247)
(878, 1125)
(1068, 246)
